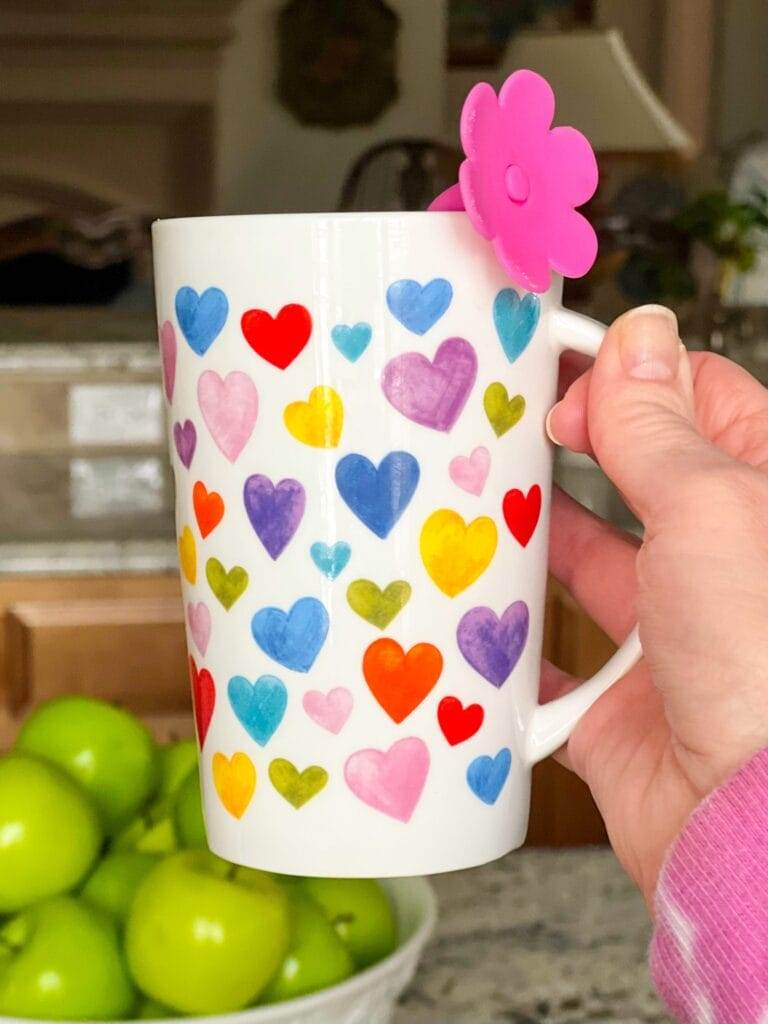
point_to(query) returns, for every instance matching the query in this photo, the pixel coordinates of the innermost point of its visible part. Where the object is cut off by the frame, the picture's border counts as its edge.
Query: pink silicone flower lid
(522, 179)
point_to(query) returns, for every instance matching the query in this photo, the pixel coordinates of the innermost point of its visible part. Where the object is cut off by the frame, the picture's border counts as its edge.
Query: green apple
(108, 751)
(50, 833)
(150, 1009)
(316, 957)
(204, 936)
(360, 911)
(112, 884)
(61, 960)
(147, 835)
(188, 814)
(177, 760)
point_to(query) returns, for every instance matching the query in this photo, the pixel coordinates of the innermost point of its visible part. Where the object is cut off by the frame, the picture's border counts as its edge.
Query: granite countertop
(539, 937)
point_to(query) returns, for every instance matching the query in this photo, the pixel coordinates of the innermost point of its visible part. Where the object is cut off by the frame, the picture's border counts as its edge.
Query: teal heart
(330, 559)
(515, 320)
(351, 341)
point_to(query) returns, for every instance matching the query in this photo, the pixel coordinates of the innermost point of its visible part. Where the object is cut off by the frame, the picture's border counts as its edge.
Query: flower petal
(527, 103)
(480, 121)
(570, 152)
(448, 201)
(478, 194)
(572, 244)
(528, 267)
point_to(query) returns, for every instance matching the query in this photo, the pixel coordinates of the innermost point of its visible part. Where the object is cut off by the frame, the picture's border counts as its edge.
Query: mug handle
(551, 724)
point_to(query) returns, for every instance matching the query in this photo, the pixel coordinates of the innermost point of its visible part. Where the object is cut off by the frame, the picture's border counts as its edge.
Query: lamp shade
(599, 88)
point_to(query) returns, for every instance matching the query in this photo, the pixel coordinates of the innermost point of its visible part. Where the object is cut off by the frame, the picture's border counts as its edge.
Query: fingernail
(548, 425)
(650, 346)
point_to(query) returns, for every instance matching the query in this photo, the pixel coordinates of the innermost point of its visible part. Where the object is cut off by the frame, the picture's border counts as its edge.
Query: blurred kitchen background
(115, 112)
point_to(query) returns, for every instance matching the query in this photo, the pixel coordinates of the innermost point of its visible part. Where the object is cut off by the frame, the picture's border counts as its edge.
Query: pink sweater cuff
(709, 953)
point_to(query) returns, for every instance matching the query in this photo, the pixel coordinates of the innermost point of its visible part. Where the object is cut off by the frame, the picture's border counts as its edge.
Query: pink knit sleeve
(709, 953)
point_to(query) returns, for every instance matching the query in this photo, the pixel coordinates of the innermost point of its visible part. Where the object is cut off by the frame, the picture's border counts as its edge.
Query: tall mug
(357, 407)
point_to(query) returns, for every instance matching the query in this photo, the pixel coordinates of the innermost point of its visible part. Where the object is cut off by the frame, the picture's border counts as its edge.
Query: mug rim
(310, 215)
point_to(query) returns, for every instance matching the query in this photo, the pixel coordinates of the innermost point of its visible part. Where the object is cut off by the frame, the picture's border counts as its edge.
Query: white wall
(267, 161)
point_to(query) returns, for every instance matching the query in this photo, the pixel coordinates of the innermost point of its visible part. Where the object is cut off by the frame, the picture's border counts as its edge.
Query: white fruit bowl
(366, 998)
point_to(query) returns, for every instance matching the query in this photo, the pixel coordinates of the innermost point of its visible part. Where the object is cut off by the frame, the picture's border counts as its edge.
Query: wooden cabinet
(122, 638)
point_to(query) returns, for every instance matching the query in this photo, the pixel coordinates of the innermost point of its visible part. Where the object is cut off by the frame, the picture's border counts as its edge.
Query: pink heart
(390, 781)
(330, 710)
(199, 619)
(432, 393)
(168, 355)
(229, 407)
(470, 473)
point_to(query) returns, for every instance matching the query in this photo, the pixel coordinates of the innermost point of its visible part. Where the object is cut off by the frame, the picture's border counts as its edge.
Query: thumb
(640, 413)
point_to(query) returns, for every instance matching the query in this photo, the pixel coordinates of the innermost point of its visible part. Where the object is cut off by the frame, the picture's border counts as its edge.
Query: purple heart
(432, 393)
(493, 645)
(185, 439)
(274, 511)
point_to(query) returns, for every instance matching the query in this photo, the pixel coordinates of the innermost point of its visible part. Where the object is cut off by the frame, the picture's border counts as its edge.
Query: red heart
(457, 722)
(209, 508)
(277, 339)
(401, 681)
(521, 512)
(203, 698)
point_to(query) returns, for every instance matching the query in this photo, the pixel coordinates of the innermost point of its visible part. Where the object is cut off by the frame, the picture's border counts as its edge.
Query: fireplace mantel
(114, 98)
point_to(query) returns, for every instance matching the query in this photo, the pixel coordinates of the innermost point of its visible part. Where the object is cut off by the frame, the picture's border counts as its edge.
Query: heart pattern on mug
(227, 586)
(390, 781)
(235, 781)
(294, 638)
(199, 620)
(455, 553)
(318, 421)
(229, 407)
(379, 607)
(516, 320)
(419, 307)
(329, 710)
(209, 508)
(259, 706)
(493, 645)
(201, 317)
(486, 775)
(278, 339)
(432, 393)
(168, 351)
(294, 786)
(331, 559)
(459, 723)
(521, 513)
(185, 439)
(401, 681)
(274, 511)
(352, 341)
(378, 496)
(471, 472)
(502, 411)
(203, 699)
(188, 555)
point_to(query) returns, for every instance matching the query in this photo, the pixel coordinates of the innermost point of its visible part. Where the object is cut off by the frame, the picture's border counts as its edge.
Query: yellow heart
(456, 554)
(188, 555)
(317, 422)
(235, 781)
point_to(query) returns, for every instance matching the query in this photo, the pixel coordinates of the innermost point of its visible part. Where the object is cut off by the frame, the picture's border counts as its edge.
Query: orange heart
(209, 508)
(235, 781)
(401, 681)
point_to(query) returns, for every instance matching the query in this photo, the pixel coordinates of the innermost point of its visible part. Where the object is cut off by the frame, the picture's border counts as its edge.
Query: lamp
(599, 88)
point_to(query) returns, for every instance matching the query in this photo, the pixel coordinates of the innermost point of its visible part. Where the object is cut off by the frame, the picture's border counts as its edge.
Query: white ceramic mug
(362, 498)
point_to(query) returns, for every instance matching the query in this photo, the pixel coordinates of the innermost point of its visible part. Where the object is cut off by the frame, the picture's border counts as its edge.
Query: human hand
(685, 440)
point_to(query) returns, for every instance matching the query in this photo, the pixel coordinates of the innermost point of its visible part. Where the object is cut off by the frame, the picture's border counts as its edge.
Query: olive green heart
(227, 586)
(503, 412)
(377, 606)
(297, 787)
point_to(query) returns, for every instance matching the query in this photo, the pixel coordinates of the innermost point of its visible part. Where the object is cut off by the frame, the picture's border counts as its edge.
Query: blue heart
(292, 638)
(330, 559)
(259, 706)
(487, 775)
(515, 320)
(351, 341)
(201, 317)
(378, 496)
(419, 308)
